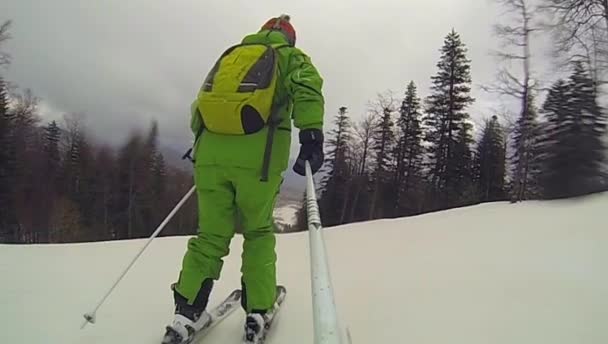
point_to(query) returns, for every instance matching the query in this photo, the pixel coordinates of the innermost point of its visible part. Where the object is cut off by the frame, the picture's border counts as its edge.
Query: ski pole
(326, 327)
(90, 317)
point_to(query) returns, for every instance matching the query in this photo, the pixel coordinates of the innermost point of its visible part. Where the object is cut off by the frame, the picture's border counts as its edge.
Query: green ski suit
(228, 173)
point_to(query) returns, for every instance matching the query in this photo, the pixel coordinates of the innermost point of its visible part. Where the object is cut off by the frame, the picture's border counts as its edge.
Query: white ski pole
(326, 326)
(90, 317)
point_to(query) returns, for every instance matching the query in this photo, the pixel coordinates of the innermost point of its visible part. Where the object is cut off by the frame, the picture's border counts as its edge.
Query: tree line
(410, 155)
(56, 185)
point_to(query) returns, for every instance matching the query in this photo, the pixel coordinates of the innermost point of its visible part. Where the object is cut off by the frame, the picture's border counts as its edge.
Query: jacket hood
(266, 37)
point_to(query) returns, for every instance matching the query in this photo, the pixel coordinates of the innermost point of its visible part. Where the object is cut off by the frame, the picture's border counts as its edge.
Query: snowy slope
(497, 273)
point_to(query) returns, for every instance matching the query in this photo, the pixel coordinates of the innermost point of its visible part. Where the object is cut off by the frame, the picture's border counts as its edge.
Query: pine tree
(384, 138)
(4, 109)
(159, 174)
(449, 133)
(72, 176)
(408, 151)
(24, 147)
(461, 170)
(338, 145)
(78, 177)
(556, 111)
(104, 190)
(590, 129)
(5, 58)
(8, 217)
(129, 190)
(490, 164)
(335, 196)
(525, 147)
(159, 189)
(573, 152)
(52, 136)
(51, 168)
(148, 204)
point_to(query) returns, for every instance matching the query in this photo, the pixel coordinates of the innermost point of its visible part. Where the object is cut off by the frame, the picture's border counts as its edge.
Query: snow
(498, 273)
(286, 214)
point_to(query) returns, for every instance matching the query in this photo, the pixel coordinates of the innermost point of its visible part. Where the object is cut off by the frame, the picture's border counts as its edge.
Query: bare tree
(5, 58)
(580, 30)
(362, 140)
(515, 37)
(515, 41)
(364, 132)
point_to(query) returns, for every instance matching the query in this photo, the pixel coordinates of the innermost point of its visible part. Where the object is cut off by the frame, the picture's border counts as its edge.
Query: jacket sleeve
(304, 85)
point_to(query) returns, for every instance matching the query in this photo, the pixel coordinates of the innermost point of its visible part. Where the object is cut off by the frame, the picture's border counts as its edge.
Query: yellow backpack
(237, 95)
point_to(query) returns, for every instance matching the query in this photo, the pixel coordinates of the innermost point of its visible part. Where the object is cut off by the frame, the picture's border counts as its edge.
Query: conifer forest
(413, 151)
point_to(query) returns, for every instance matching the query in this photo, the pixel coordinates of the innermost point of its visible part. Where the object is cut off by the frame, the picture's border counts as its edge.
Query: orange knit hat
(282, 25)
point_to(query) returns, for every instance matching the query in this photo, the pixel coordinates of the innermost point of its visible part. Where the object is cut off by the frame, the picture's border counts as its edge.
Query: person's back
(299, 90)
(238, 172)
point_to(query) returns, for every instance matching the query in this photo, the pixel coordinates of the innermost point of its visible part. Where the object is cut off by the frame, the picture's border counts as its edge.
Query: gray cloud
(125, 63)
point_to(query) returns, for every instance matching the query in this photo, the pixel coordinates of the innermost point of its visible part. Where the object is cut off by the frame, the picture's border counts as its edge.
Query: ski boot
(258, 324)
(189, 319)
(183, 328)
(256, 327)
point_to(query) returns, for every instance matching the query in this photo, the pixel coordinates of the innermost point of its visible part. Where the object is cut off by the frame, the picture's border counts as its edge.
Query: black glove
(311, 149)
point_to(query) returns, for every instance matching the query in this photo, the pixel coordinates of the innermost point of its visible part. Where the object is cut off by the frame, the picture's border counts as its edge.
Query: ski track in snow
(535, 272)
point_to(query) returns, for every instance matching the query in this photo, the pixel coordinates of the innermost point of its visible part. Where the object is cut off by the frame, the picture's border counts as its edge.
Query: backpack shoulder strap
(273, 123)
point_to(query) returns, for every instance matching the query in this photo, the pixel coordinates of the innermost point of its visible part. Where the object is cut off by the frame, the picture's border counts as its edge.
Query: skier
(242, 125)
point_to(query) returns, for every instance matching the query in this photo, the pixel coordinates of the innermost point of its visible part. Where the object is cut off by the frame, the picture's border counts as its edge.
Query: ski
(216, 315)
(281, 294)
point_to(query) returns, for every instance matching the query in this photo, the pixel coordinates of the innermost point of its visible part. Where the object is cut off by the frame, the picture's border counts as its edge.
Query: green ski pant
(223, 194)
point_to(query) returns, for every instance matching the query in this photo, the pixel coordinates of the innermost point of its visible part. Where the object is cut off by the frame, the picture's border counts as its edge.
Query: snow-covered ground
(498, 273)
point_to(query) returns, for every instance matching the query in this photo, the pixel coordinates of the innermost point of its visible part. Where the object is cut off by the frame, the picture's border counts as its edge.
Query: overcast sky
(124, 63)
